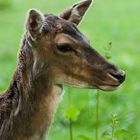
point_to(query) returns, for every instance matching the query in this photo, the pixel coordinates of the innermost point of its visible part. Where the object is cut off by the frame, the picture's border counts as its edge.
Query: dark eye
(64, 48)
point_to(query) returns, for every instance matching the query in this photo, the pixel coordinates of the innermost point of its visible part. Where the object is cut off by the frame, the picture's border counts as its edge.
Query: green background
(116, 21)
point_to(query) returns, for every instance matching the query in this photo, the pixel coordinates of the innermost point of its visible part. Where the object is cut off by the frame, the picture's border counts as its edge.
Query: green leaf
(107, 55)
(72, 113)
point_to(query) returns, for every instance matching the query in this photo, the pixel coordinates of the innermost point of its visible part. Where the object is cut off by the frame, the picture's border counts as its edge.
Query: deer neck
(37, 98)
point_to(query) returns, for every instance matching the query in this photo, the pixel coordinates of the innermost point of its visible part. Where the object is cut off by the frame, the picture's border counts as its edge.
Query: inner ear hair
(35, 21)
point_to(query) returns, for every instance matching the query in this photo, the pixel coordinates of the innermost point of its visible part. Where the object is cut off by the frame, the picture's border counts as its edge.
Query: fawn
(53, 52)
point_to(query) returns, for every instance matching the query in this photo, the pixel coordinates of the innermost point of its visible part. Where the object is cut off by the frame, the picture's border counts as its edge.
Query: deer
(53, 53)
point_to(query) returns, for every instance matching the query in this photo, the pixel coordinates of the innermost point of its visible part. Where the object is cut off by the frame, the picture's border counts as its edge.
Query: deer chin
(108, 87)
(80, 85)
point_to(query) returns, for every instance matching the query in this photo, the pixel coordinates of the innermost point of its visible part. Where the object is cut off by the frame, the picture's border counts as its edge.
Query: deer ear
(76, 12)
(35, 21)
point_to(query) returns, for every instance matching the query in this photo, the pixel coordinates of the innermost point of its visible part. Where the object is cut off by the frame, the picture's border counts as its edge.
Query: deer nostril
(120, 76)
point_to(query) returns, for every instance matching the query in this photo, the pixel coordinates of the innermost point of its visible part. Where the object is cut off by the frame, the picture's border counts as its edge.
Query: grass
(106, 21)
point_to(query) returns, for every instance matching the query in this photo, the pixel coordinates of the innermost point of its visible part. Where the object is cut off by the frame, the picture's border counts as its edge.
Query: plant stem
(71, 130)
(113, 131)
(70, 121)
(97, 115)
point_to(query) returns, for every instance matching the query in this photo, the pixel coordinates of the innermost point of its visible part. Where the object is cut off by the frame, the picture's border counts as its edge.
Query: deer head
(64, 55)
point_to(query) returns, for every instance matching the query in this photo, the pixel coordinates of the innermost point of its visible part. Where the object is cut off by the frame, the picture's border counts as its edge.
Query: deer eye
(64, 48)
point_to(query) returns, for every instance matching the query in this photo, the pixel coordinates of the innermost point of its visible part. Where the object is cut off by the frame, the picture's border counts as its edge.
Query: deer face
(69, 57)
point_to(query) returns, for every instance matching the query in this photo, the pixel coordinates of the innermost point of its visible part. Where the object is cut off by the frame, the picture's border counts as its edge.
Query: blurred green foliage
(4, 4)
(106, 21)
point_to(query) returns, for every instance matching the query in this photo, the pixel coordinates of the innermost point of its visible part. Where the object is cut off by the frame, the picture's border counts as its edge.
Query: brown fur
(53, 52)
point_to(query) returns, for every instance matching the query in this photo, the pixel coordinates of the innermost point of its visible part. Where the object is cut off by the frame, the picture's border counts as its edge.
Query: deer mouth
(117, 76)
(115, 80)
